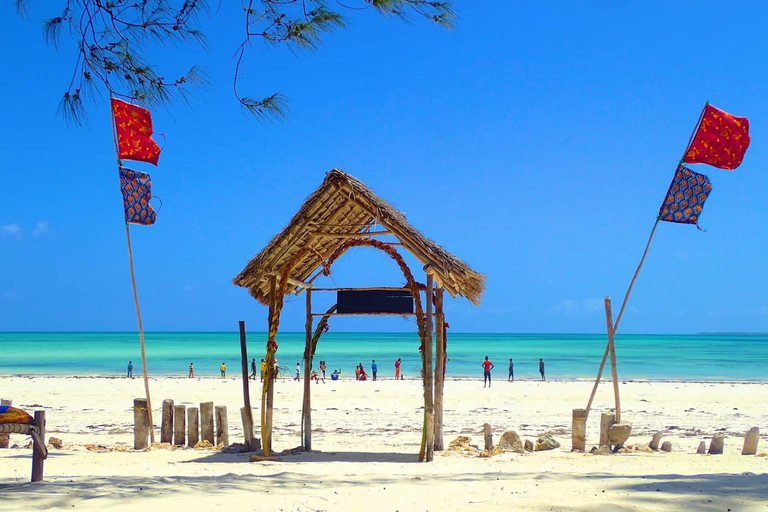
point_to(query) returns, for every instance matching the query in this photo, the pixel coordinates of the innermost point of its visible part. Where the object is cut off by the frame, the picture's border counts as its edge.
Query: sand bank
(366, 436)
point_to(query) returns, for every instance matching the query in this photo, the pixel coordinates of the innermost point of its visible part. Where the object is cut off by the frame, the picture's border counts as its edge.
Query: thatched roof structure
(340, 208)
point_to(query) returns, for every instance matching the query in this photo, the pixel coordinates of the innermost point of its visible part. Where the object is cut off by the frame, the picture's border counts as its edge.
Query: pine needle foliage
(113, 41)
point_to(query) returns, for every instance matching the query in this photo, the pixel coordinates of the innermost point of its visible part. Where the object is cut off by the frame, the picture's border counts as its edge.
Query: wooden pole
(179, 425)
(614, 370)
(579, 430)
(597, 380)
(5, 439)
(429, 406)
(141, 333)
(193, 427)
(440, 355)
(248, 418)
(140, 423)
(38, 452)
(206, 422)
(306, 411)
(166, 424)
(222, 426)
(267, 398)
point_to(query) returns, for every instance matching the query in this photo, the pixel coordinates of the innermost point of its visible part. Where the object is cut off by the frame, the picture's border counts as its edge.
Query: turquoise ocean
(729, 357)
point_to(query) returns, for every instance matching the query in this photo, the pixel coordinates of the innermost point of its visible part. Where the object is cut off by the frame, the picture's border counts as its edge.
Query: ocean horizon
(703, 356)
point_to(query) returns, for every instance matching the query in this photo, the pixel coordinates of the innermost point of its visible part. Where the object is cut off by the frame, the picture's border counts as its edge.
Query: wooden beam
(301, 284)
(365, 289)
(317, 234)
(367, 314)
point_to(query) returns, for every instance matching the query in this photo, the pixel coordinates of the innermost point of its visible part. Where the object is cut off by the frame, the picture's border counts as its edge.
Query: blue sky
(534, 143)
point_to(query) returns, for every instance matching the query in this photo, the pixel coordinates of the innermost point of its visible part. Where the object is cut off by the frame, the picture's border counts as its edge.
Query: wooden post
(611, 346)
(5, 439)
(750, 441)
(487, 437)
(166, 426)
(429, 406)
(306, 411)
(179, 425)
(222, 426)
(206, 420)
(579, 430)
(248, 418)
(440, 359)
(193, 427)
(717, 444)
(140, 423)
(269, 395)
(597, 380)
(38, 452)
(607, 419)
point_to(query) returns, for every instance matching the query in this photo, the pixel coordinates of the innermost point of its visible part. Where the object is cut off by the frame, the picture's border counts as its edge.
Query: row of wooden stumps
(39, 451)
(182, 425)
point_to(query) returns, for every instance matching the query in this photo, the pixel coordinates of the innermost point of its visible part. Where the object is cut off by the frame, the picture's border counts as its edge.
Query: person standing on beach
(374, 368)
(323, 366)
(511, 371)
(130, 370)
(223, 369)
(541, 369)
(487, 367)
(276, 367)
(263, 369)
(191, 370)
(397, 369)
(253, 368)
(298, 372)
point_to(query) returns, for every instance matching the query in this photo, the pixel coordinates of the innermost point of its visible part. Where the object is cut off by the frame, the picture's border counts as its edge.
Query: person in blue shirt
(335, 375)
(374, 368)
(130, 369)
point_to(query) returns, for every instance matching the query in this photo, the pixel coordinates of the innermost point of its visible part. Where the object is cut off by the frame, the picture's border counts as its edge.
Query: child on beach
(487, 367)
(191, 370)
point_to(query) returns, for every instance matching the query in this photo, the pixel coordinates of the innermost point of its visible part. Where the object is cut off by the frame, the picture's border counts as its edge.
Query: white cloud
(571, 307)
(41, 228)
(10, 231)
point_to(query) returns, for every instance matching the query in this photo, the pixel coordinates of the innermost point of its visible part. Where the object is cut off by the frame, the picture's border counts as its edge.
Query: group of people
(488, 366)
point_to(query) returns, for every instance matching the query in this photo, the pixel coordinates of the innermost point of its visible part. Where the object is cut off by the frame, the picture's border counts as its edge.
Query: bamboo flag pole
(135, 296)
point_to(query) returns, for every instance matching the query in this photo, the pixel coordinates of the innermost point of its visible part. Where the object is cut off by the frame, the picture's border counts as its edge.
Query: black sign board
(374, 301)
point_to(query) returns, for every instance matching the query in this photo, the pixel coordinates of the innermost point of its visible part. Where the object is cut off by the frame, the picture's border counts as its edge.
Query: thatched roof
(343, 205)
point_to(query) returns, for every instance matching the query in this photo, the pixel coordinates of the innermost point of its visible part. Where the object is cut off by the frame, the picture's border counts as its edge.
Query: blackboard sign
(374, 301)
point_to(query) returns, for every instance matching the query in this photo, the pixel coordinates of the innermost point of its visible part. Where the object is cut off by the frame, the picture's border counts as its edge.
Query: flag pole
(135, 295)
(141, 332)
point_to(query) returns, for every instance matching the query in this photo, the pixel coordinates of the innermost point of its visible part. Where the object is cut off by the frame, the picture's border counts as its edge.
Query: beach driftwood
(206, 422)
(222, 426)
(166, 425)
(5, 438)
(39, 452)
(750, 441)
(579, 430)
(487, 436)
(607, 419)
(193, 427)
(717, 444)
(179, 425)
(140, 424)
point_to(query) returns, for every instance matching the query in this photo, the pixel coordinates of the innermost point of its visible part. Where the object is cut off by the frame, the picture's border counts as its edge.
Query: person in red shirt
(487, 367)
(397, 369)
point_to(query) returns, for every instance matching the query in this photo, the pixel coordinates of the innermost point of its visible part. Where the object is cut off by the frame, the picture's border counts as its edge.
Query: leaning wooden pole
(268, 387)
(141, 334)
(248, 416)
(439, 368)
(612, 350)
(306, 411)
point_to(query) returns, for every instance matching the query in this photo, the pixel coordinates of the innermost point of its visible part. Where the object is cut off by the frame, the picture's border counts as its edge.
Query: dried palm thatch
(340, 208)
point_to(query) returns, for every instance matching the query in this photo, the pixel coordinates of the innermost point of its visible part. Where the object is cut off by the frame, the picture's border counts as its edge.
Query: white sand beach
(366, 438)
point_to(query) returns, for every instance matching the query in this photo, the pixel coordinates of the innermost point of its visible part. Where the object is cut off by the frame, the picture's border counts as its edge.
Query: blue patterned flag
(685, 197)
(136, 188)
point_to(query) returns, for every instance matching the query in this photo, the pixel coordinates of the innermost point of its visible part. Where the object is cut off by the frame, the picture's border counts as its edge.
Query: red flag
(134, 133)
(720, 141)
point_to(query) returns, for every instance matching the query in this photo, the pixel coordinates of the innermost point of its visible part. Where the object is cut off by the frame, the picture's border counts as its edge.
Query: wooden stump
(717, 444)
(206, 422)
(607, 419)
(140, 424)
(193, 427)
(487, 436)
(579, 430)
(750, 441)
(247, 418)
(702, 448)
(166, 426)
(222, 426)
(5, 439)
(39, 452)
(179, 425)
